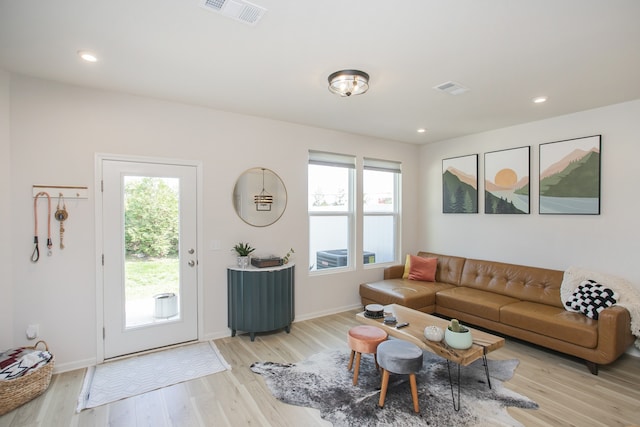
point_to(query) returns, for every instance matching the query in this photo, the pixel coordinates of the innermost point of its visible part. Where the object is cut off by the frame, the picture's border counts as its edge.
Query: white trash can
(166, 305)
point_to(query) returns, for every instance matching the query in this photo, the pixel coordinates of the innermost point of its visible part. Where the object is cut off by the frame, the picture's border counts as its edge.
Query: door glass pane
(151, 236)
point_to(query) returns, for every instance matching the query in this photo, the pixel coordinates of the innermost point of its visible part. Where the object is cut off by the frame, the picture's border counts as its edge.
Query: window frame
(320, 158)
(395, 168)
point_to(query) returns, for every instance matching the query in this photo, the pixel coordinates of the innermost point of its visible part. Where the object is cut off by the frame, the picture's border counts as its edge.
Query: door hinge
(104, 333)
(102, 186)
(103, 260)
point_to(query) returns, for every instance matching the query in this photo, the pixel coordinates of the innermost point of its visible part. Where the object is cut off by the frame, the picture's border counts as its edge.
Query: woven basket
(19, 391)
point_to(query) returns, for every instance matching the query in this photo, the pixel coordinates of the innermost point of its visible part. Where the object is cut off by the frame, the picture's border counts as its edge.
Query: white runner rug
(124, 378)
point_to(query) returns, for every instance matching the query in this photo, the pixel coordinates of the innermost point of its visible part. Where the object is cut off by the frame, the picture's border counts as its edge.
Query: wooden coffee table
(483, 342)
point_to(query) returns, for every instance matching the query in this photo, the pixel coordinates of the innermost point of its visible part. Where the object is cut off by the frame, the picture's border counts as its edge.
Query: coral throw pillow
(423, 268)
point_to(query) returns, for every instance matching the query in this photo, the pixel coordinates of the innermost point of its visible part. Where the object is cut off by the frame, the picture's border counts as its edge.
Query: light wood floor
(567, 393)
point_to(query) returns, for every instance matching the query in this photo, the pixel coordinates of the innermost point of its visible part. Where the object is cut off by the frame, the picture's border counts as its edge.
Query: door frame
(99, 158)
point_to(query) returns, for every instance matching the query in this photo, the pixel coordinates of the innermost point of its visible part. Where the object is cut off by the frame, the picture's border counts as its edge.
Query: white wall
(609, 242)
(6, 286)
(57, 129)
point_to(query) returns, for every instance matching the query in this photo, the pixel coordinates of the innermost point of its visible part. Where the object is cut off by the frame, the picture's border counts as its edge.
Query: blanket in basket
(17, 362)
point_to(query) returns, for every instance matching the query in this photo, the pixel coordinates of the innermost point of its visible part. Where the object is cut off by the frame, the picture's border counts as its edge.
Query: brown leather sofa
(514, 300)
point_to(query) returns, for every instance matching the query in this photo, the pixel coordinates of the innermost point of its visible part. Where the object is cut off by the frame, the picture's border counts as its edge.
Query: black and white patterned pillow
(590, 298)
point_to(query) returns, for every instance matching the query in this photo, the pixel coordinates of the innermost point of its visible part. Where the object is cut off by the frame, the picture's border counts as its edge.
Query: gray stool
(399, 357)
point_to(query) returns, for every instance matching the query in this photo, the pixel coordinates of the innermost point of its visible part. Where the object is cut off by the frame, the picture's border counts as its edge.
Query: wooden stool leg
(353, 352)
(375, 359)
(356, 370)
(414, 392)
(383, 390)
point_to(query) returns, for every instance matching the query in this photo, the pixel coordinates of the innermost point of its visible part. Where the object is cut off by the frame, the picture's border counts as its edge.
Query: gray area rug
(323, 382)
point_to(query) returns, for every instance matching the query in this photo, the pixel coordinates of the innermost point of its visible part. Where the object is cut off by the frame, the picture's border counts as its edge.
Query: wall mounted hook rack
(69, 192)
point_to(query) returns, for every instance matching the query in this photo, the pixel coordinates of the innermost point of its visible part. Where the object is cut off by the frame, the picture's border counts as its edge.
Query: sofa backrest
(525, 283)
(449, 267)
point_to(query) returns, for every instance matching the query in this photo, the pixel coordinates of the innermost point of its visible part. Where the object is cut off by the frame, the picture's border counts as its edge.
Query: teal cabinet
(260, 299)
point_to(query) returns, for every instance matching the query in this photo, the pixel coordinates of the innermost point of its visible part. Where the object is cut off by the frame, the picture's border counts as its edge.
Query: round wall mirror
(259, 197)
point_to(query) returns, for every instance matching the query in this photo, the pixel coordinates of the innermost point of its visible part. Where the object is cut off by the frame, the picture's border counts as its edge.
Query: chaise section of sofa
(415, 294)
(519, 301)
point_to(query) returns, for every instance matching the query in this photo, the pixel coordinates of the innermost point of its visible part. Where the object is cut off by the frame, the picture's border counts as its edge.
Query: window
(380, 205)
(331, 210)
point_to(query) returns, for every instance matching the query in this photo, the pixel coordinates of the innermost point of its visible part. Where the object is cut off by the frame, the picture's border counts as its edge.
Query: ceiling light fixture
(422, 130)
(263, 200)
(87, 56)
(348, 82)
(539, 99)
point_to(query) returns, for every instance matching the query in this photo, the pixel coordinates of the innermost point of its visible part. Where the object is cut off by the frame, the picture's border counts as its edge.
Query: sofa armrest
(394, 272)
(614, 332)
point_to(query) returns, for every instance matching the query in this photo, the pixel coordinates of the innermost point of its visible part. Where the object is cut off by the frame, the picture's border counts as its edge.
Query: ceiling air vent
(239, 10)
(451, 88)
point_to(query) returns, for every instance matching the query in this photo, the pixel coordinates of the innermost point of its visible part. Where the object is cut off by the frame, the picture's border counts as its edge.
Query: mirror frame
(250, 184)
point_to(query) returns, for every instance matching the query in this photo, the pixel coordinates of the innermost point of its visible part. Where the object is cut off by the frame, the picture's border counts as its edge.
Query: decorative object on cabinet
(570, 176)
(460, 184)
(243, 250)
(266, 262)
(260, 300)
(288, 255)
(252, 202)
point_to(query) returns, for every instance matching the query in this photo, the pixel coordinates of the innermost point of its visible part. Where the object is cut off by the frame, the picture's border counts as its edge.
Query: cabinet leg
(233, 332)
(252, 335)
(287, 328)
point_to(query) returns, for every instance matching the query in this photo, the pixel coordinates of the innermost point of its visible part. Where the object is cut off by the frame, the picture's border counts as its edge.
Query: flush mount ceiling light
(349, 82)
(87, 56)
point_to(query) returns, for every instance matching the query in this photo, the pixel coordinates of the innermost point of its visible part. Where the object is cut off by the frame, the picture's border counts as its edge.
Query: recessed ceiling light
(422, 130)
(87, 56)
(540, 99)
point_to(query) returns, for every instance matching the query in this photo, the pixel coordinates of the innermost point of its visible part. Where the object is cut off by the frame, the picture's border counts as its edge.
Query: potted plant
(457, 336)
(243, 250)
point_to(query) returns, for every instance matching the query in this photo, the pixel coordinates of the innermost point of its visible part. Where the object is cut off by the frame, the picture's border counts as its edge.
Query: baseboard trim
(72, 366)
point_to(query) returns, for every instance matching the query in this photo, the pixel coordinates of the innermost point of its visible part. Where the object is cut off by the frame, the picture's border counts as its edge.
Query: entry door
(150, 274)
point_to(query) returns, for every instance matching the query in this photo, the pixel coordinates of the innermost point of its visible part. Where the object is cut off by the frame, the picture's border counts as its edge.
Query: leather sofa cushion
(524, 283)
(473, 301)
(409, 293)
(449, 267)
(553, 322)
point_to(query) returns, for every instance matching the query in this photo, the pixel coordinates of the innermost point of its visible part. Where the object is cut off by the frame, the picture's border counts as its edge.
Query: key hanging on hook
(61, 215)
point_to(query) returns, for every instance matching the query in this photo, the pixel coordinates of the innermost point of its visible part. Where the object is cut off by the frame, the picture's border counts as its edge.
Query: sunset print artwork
(506, 181)
(460, 184)
(570, 176)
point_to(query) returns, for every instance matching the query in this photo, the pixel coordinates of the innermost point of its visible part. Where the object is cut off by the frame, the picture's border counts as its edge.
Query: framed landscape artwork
(570, 176)
(506, 181)
(460, 184)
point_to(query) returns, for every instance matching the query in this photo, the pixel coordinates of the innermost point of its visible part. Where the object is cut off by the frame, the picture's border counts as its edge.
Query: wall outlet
(33, 331)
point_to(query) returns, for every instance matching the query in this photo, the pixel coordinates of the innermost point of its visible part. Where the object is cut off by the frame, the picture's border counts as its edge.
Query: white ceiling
(582, 54)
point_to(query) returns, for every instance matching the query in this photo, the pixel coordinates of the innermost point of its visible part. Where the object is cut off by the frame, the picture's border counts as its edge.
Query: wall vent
(239, 10)
(451, 88)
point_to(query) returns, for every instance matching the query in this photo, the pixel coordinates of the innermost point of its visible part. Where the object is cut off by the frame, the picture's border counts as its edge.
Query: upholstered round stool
(399, 357)
(364, 339)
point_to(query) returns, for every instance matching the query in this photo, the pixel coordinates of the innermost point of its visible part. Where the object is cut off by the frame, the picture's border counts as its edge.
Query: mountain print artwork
(506, 181)
(570, 176)
(460, 184)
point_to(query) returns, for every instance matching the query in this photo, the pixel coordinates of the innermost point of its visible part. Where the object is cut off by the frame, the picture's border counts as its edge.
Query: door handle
(191, 263)
(191, 251)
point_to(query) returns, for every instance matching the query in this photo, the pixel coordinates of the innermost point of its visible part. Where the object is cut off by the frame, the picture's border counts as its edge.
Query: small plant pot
(243, 261)
(458, 340)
